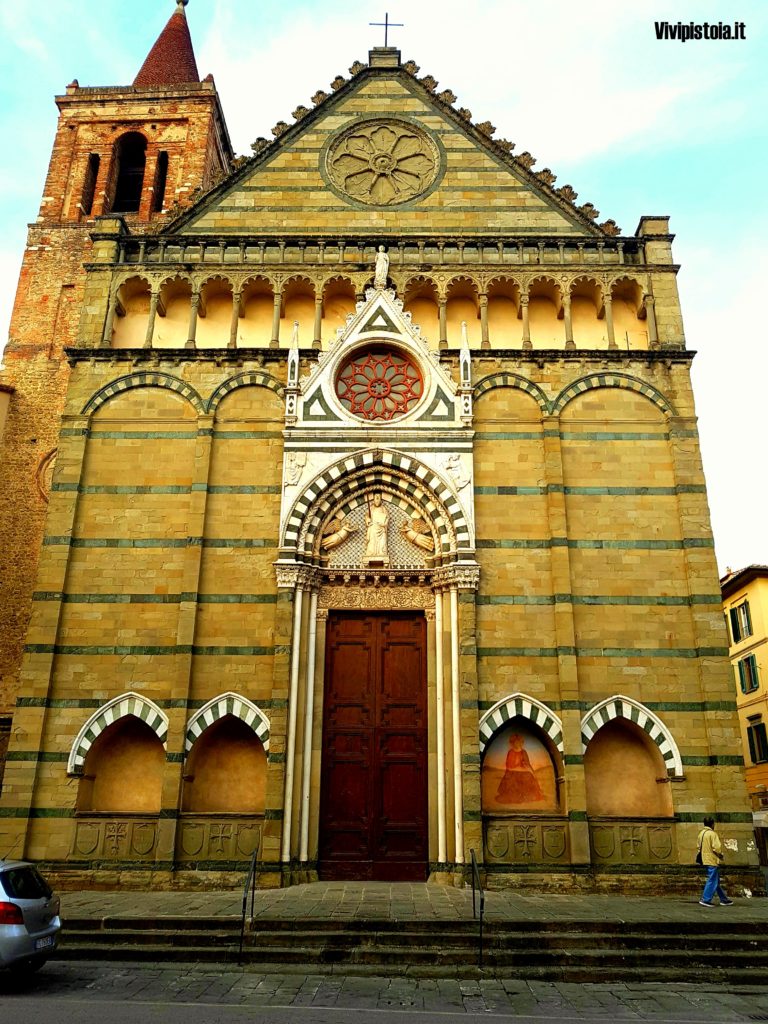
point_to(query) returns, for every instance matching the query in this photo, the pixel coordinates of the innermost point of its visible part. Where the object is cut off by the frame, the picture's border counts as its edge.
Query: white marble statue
(376, 523)
(382, 269)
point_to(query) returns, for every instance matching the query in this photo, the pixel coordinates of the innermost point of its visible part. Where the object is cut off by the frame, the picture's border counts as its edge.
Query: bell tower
(134, 152)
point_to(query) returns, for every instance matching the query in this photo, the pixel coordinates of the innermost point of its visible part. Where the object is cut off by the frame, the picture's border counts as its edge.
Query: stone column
(458, 779)
(306, 753)
(194, 306)
(290, 743)
(317, 333)
(443, 322)
(236, 299)
(649, 304)
(153, 301)
(442, 852)
(275, 340)
(608, 306)
(569, 342)
(109, 323)
(526, 322)
(484, 337)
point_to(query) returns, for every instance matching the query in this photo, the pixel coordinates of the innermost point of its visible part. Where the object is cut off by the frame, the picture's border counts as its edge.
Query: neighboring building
(377, 531)
(745, 603)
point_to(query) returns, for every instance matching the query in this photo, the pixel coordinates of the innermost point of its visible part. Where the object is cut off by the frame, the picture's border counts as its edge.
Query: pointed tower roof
(171, 61)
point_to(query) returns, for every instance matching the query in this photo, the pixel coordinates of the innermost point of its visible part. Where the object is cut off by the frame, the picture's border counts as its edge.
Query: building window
(161, 180)
(758, 742)
(89, 185)
(741, 622)
(748, 678)
(131, 159)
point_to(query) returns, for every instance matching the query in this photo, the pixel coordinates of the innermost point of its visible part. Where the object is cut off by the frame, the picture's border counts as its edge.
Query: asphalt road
(89, 992)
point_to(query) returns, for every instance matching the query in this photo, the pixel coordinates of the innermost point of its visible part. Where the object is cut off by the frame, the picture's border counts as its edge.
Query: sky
(636, 124)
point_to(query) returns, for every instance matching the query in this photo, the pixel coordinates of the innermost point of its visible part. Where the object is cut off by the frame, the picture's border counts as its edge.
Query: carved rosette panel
(383, 598)
(116, 838)
(383, 162)
(529, 841)
(223, 839)
(632, 842)
(379, 383)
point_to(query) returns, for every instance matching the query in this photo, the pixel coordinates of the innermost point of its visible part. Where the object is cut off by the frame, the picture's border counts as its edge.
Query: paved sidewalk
(405, 901)
(72, 992)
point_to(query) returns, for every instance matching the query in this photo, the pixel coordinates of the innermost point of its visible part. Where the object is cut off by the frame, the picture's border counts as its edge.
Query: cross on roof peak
(386, 25)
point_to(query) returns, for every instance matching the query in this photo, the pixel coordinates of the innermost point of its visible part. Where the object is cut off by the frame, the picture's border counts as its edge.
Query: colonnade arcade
(525, 310)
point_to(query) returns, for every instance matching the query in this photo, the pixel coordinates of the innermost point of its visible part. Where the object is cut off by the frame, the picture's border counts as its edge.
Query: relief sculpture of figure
(376, 522)
(417, 532)
(336, 532)
(382, 269)
(519, 784)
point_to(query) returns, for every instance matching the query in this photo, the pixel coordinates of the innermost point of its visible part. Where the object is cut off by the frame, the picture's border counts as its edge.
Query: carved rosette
(383, 162)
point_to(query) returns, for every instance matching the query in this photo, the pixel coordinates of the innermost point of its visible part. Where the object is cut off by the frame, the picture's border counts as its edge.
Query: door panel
(373, 801)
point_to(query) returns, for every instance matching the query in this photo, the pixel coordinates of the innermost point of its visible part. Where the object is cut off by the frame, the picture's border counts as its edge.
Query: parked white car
(29, 917)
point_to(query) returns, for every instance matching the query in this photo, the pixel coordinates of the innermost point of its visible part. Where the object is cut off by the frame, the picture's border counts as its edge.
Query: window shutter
(752, 744)
(735, 631)
(761, 742)
(742, 677)
(747, 619)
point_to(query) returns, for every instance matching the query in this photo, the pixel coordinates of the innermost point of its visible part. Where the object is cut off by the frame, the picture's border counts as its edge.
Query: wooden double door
(373, 798)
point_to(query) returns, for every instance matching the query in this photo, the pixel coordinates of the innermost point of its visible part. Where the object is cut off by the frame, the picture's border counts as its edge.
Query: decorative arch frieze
(619, 706)
(520, 704)
(345, 484)
(512, 380)
(143, 379)
(251, 378)
(127, 704)
(227, 704)
(612, 380)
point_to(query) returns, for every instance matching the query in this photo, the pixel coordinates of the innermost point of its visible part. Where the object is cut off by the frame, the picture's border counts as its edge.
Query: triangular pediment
(386, 153)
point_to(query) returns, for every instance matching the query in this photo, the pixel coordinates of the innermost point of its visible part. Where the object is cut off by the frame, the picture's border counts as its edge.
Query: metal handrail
(478, 885)
(250, 881)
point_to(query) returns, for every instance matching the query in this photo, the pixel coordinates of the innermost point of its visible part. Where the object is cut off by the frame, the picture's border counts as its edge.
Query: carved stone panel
(218, 837)
(632, 841)
(116, 838)
(526, 841)
(383, 162)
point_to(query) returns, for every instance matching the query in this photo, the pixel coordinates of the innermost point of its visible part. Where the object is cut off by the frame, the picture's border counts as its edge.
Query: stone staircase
(732, 952)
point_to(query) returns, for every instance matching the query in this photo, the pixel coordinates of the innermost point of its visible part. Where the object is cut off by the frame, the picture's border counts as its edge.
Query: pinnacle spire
(171, 61)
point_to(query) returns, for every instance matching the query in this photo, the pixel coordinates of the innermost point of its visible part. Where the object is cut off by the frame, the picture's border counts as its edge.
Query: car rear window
(24, 884)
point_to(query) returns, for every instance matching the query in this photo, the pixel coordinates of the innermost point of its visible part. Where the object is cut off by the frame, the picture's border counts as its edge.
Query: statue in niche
(417, 532)
(382, 269)
(376, 523)
(336, 532)
(519, 784)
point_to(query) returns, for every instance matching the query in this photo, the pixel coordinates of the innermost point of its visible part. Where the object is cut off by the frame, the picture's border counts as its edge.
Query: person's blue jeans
(712, 885)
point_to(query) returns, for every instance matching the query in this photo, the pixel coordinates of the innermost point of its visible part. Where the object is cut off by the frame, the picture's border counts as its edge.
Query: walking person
(710, 849)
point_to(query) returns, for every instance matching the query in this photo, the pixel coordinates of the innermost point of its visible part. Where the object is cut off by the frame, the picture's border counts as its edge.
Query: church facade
(363, 523)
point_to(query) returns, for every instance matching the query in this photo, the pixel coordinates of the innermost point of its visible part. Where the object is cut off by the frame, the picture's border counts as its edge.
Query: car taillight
(10, 914)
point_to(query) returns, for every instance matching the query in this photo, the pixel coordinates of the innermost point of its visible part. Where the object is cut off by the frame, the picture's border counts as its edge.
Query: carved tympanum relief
(383, 162)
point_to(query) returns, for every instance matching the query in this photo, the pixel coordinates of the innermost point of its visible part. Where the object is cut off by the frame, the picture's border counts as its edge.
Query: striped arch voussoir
(624, 707)
(255, 378)
(120, 707)
(519, 704)
(227, 704)
(511, 380)
(612, 380)
(144, 379)
(403, 476)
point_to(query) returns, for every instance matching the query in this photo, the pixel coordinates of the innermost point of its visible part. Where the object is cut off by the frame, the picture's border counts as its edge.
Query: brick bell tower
(131, 152)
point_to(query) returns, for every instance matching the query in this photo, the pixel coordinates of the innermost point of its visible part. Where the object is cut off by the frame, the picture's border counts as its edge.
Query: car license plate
(44, 943)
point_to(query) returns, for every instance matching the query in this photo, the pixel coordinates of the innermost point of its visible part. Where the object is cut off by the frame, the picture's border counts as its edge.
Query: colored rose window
(383, 162)
(379, 384)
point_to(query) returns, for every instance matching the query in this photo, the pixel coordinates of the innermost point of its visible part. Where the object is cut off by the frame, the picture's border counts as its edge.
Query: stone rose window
(379, 383)
(383, 162)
